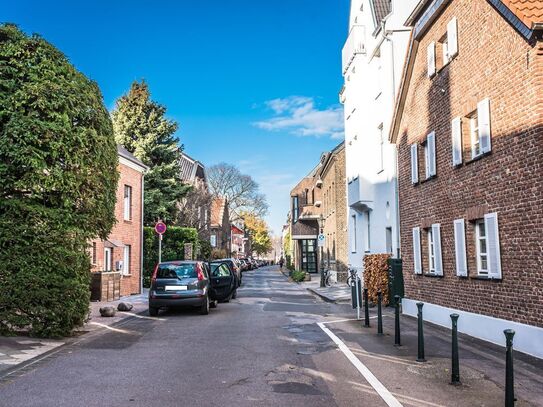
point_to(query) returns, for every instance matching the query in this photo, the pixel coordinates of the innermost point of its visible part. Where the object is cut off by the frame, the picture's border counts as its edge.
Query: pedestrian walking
(281, 261)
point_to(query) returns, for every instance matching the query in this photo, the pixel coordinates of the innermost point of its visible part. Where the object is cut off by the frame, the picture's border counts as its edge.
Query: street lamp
(321, 230)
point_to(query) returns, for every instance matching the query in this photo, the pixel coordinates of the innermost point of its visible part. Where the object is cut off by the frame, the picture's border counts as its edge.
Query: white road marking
(381, 390)
(340, 320)
(122, 331)
(142, 316)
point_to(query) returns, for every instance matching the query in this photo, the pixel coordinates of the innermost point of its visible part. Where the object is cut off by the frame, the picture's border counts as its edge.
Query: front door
(309, 255)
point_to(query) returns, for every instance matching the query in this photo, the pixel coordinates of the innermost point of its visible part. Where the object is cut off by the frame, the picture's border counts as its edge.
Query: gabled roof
(380, 9)
(124, 153)
(530, 12)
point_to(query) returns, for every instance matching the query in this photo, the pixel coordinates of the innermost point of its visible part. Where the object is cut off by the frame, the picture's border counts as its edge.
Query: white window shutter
(431, 59)
(436, 236)
(414, 164)
(417, 261)
(460, 248)
(493, 246)
(456, 128)
(483, 117)
(452, 37)
(431, 140)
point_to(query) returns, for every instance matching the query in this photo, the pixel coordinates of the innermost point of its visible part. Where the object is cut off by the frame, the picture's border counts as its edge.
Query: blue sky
(254, 83)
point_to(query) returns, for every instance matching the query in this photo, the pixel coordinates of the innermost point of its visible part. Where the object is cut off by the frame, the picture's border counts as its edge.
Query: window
(430, 155)
(126, 259)
(433, 235)
(127, 202)
(295, 209)
(213, 240)
(93, 253)
(388, 239)
(448, 44)
(479, 122)
(381, 147)
(431, 252)
(444, 44)
(474, 131)
(481, 247)
(353, 234)
(367, 248)
(108, 254)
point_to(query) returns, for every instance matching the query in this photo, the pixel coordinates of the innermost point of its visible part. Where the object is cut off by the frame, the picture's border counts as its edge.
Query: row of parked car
(197, 283)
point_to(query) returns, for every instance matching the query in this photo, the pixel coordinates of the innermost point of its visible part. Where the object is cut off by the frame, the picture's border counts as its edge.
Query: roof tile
(529, 12)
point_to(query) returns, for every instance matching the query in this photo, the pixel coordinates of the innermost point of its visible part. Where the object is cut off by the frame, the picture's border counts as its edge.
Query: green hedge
(58, 178)
(173, 247)
(298, 275)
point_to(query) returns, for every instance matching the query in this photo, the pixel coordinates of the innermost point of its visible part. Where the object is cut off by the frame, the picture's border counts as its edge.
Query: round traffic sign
(160, 228)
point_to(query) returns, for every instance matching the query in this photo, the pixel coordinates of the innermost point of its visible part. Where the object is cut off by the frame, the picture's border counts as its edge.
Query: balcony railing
(353, 46)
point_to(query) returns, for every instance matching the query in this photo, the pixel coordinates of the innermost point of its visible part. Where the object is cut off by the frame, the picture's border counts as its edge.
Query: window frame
(127, 210)
(295, 208)
(127, 259)
(475, 137)
(478, 253)
(353, 236)
(431, 251)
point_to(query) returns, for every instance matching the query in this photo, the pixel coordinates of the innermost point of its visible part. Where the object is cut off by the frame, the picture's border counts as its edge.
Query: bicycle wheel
(328, 280)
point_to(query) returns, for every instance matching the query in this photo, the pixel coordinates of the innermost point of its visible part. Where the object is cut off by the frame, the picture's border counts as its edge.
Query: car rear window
(219, 270)
(176, 271)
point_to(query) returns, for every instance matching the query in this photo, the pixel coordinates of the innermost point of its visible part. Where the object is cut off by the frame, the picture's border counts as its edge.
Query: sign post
(160, 228)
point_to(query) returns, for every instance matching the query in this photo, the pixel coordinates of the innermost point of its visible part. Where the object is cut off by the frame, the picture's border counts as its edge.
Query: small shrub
(298, 276)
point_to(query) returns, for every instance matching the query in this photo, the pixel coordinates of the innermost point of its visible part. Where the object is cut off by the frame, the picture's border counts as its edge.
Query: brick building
(122, 251)
(306, 210)
(220, 227)
(334, 210)
(469, 132)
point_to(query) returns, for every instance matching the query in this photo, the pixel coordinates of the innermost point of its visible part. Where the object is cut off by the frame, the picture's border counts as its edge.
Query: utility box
(395, 279)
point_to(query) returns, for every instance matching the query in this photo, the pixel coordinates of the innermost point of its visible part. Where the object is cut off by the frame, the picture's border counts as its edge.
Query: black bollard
(420, 356)
(366, 309)
(397, 340)
(379, 313)
(455, 370)
(509, 382)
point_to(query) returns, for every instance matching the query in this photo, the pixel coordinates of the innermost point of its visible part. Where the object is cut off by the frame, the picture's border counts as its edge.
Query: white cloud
(300, 116)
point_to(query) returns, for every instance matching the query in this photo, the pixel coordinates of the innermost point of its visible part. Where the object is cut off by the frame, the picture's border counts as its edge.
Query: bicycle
(353, 277)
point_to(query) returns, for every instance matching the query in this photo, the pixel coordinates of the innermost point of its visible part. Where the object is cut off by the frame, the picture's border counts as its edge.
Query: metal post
(379, 313)
(509, 378)
(397, 340)
(455, 370)
(357, 298)
(160, 248)
(420, 356)
(366, 309)
(322, 268)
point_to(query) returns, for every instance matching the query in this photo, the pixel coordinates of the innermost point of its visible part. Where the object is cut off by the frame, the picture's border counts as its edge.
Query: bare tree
(240, 189)
(194, 210)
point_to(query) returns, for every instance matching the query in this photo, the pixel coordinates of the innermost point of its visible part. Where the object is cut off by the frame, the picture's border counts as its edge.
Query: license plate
(176, 288)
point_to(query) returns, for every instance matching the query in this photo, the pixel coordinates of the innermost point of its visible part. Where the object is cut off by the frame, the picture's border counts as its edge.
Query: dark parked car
(233, 263)
(190, 283)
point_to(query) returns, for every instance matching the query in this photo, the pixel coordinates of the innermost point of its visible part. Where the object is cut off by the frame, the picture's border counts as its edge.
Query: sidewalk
(337, 293)
(482, 365)
(19, 349)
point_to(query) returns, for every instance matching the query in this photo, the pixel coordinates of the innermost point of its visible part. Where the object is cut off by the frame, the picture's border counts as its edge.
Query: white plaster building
(372, 62)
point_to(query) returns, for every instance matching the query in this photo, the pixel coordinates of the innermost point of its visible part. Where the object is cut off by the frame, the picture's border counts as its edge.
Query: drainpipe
(141, 233)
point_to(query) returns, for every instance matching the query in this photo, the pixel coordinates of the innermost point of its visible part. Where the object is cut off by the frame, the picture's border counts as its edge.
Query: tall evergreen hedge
(58, 177)
(173, 247)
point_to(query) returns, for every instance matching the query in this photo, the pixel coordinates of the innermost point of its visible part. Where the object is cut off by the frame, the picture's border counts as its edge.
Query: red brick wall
(494, 61)
(127, 232)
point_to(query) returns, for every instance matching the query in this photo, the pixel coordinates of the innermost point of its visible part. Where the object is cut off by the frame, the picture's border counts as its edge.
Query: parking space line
(142, 316)
(381, 390)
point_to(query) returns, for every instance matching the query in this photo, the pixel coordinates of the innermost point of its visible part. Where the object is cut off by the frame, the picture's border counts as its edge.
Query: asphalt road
(262, 349)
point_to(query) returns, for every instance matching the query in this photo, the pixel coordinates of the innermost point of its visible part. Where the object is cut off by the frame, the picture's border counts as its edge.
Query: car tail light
(200, 273)
(155, 271)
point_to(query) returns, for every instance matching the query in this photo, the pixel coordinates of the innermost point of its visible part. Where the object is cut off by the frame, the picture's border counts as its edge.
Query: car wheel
(153, 311)
(235, 294)
(204, 309)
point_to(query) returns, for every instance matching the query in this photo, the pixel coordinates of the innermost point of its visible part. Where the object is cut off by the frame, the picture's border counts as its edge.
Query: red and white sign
(160, 227)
